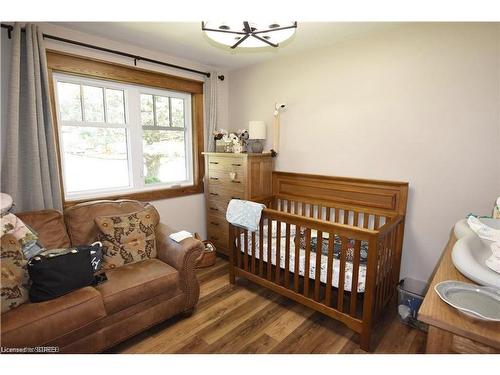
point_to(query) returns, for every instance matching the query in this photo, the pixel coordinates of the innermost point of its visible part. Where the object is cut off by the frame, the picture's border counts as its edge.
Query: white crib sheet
(302, 261)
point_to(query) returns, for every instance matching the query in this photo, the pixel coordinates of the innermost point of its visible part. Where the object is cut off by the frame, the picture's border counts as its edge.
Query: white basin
(470, 253)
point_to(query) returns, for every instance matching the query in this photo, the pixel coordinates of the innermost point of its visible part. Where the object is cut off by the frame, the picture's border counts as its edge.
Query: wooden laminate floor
(246, 318)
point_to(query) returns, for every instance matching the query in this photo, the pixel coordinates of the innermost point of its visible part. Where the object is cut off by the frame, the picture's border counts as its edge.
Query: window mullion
(170, 111)
(104, 105)
(135, 130)
(154, 110)
(82, 103)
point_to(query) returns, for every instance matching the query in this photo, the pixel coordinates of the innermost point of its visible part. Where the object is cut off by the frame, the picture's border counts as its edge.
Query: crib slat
(278, 252)
(385, 267)
(354, 278)
(337, 215)
(287, 255)
(238, 247)
(355, 220)
(376, 223)
(317, 275)
(308, 262)
(384, 270)
(261, 247)
(269, 247)
(298, 230)
(366, 220)
(380, 247)
(296, 208)
(245, 256)
(328, 213)
(394, 261)
(320, 212)
(302, 209)
(253, 253)
(343, 256)
(388, 266)
(329, 269)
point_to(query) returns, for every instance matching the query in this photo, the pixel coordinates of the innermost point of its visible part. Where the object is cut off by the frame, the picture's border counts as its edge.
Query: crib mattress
(302, 262)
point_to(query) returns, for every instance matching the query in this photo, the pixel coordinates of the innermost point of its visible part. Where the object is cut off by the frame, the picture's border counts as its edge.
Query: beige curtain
(29, 164)
(210, 95)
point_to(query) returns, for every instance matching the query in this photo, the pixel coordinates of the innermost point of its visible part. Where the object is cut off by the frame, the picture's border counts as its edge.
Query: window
(121, 138)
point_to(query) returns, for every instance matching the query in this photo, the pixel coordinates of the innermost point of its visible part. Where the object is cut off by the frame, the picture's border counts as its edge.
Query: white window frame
(134, 134)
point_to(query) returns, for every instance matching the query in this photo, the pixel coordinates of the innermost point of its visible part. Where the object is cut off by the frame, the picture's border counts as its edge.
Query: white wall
(185, 212)
(418, 103)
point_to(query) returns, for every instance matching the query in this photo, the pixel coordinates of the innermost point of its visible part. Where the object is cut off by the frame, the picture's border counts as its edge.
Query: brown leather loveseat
(135, 297)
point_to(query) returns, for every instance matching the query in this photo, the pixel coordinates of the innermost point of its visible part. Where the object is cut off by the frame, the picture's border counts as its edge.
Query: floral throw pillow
(14, 274)
(27, 238)
(128, 238)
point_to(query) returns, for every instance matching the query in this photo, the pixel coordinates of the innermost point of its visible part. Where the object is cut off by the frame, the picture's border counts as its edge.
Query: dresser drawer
(216, 161)
(218, 177)
(227, 165)
(220, 240)
(217, 207)
(224, 193)
(217, 224)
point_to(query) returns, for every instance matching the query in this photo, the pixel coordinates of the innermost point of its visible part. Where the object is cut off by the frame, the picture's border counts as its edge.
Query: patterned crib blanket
(302, 260)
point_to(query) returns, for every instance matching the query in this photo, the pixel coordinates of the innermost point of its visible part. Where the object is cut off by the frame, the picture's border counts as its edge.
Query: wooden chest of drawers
(232, 176)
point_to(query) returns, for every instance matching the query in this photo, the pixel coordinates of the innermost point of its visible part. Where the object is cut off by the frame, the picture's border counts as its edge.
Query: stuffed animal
(244, 136)
(237, 147)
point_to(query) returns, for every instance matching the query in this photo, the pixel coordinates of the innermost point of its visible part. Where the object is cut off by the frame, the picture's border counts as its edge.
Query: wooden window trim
(61, 62)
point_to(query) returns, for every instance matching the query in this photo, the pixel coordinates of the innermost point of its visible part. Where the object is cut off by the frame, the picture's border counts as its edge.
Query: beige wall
(417, 103)
(183, 213)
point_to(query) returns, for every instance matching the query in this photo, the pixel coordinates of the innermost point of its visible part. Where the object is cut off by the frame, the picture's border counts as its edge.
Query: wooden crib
(344, 215)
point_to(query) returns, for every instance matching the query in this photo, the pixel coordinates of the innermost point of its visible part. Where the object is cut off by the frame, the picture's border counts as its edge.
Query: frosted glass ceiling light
(249, 34)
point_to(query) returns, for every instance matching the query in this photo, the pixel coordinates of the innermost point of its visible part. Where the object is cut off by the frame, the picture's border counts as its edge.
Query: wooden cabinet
(449, 330)
(233, 176)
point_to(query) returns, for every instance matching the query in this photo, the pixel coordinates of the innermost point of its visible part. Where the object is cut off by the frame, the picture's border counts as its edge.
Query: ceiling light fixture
(249, 34)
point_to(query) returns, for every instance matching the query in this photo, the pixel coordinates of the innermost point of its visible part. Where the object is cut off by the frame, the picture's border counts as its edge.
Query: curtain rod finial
(221, 77)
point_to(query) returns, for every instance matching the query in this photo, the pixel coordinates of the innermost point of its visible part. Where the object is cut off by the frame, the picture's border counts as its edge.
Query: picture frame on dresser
(233, 176)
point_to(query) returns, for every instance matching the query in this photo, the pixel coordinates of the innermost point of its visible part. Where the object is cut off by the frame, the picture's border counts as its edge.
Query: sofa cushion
(128, 238)
(14, 279)
(49, 225)
(35, 324)
(80, 218)
(137, 282)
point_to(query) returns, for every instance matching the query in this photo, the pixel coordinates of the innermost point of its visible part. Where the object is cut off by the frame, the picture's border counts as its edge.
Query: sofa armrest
(182, 256)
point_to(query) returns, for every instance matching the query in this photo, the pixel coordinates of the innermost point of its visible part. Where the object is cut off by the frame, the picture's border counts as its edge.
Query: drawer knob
(236, 181)
(214, 162)
(214, 209)
(214, 194)
(214, 223)
(214, 178)
(235, 198)
(236, 165)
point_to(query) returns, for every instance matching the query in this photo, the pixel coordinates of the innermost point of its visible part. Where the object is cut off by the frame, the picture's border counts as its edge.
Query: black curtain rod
(136, 58)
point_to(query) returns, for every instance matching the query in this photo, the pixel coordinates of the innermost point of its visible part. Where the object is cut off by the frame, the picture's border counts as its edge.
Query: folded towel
(493, 261)
(179, 236)
(496, 209)
(482, 230)
(244, 214)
